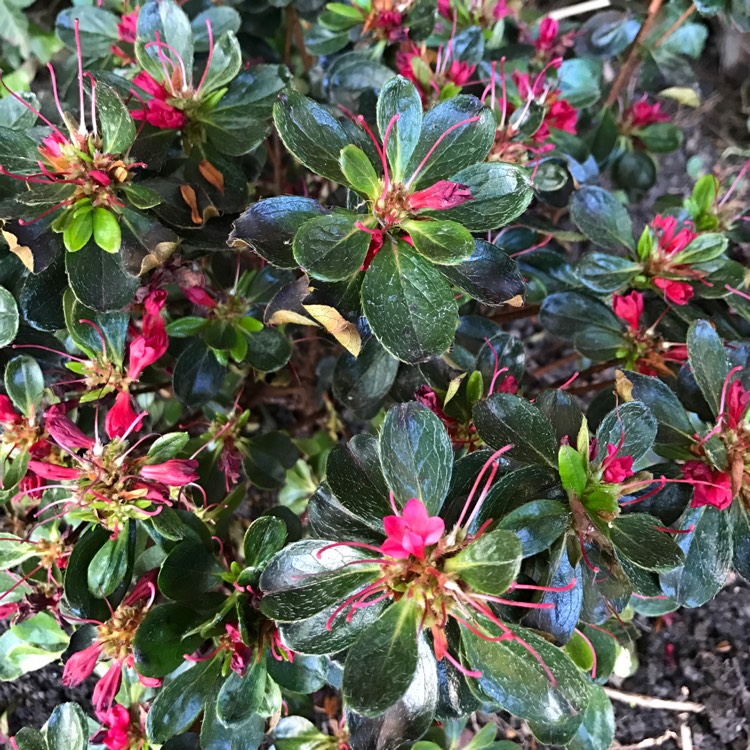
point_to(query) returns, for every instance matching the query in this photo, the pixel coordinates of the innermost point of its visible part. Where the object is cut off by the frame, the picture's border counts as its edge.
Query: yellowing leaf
(342, 330)
(683, 95)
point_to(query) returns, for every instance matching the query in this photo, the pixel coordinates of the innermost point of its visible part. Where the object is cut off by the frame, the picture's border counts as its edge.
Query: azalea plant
(282, 459)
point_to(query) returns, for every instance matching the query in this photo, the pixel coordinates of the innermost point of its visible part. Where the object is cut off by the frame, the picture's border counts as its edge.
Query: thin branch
(646, 701)
(650, 742)
(676, 25)
(579, 9)
(631, 63)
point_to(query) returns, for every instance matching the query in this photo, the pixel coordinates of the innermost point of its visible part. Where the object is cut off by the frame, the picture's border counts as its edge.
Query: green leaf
(167, 23)
(490, 564)
(499, 194)
(24, 384)
(78, 229)
(160, 643)
(606, 273)
(268, 459)
(631, 428)
(504, 419)
(519, 684)
(298, 733)
(320, 578)
(99, 280)
(708, 556)
(573, 468)
(179, 703)
(97, 30)
(410, 306)
(268, 227)
(636, 537)
(67, 728)
(310, 133)
(538, 524)
(30, 739)
(331, 248)
(226, 62)
(597, 730)
(416, 455)
(8, 317)
(380, 666)
(241, 696)
(443, 242)
(263, 539)
(444, 151)
(109, 565)
(107, 233)
(602, 218)
(13, 551)
(660, 137)
(359, 172)
(489, 275)
(188, 570)
(116, 126)
(197, 375)
(399, 97)
(708, 361)
(113, 326)
(166, 446)
(704, 248)
(580, 81)
(355, 476)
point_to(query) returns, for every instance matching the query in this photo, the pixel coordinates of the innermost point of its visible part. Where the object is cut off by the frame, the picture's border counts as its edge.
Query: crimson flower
(157, 111)
(616, 470)
(670, 240)
(679, 292)
(549, 42)
(629, 308)
(737, 403)
(442, 195)
(114, 640)
(710, 486)
(411, 532)
(640, 114)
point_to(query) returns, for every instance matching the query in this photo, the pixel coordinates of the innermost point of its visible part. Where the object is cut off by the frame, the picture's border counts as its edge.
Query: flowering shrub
(272, 443)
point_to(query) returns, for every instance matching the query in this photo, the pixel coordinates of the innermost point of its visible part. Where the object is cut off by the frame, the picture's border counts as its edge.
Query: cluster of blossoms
(437, 75)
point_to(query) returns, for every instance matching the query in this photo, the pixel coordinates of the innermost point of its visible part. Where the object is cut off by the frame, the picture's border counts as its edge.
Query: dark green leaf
(399, 97)
(188, 570)
(109, 566)
(197, 375)
(443, 242)
(606, 273)
(602, 218)
(490, 564)
(708, 362)
(416, 455)
(660, 137)
(380, 666)
(98, 279)
(67, 728)
(24, 384)
(268, 459)
(504, 419)
(636, 536)
(597, 730)
(537, 524)
(241, 696)
(631, 428)
(409, 304)
(331, 248)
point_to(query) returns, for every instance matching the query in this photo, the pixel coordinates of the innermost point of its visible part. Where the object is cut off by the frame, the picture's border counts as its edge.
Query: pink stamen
(586, 560)
(437, 143)
(475, 486)
(735, 183)
(82, 130)
(30, 108)
(460, 667)
(384, 154)
(210, 55)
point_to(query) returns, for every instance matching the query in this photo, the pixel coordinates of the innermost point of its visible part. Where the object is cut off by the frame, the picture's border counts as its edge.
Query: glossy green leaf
(597, 730)
(109, 565)
(99, 280)
(179, 703)
(606, 273)
(443, 242)
(8, 317)
(636, 536)
(24, 384)
(67, 728)
(331, 248)
(409, 304)
(197, 374)
(708, 361)
(381, 664)
(107, 234)
(189, 569)
(310, 133)
(264, 538)
(631, 428)
(359, 172)
(308, 576)
(226, 62)
(116, 126)
(537, 524)
(499, 193)
(399, 98)
(30, 739)
(241, 695)
(113, 326)
(490, 564)
(416, 455)
(602, 218)
(504, 419)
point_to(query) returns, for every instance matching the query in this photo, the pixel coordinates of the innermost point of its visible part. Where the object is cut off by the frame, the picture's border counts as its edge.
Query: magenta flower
(679, 292)
(629, 308)
(440, 196)
(669, 239)
(121, 417)
(175, 472)
(737, 403)
(64, 432)
(640, 114)
(157, 111)
(411, 532)
(710, 487)
(616, 470)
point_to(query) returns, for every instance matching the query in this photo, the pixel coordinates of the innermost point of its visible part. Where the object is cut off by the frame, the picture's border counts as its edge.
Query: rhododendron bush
(273, 468)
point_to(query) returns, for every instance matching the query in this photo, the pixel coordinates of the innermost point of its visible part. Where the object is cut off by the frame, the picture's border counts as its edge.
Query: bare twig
(650, 742)
(646, 701)
(686, 736)
(579, 9)
(633, 58)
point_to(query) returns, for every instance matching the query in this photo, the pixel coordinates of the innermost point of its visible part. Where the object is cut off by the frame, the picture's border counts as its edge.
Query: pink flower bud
(53, 471)
(442, 195)
(81, 664)
(7, 412)
(679, 292)
(199, 296)
(176, 472)
(64, 432)
(121, 417)
(629, 307)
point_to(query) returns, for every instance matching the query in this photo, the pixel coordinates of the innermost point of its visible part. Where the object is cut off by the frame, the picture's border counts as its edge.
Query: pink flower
(616, 470)
(7, 411)
(640, 114)
(440, 196)
(679, 292)
(176, 472)
(152, 343)
(53, 471)
(117, 723)
(412, 531)
(199, 296)
(548, 30)
(444, 9)
(107, 686)
(127, 27)
(64, 432)
(629, 307)
(241, 652)
(712, 487)
(156, 111)
(561, 116)
(99, 177)
(738, 400)
(121, 417)
(670, 240)
(460, 72)
(81, 665)
(507, 385)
